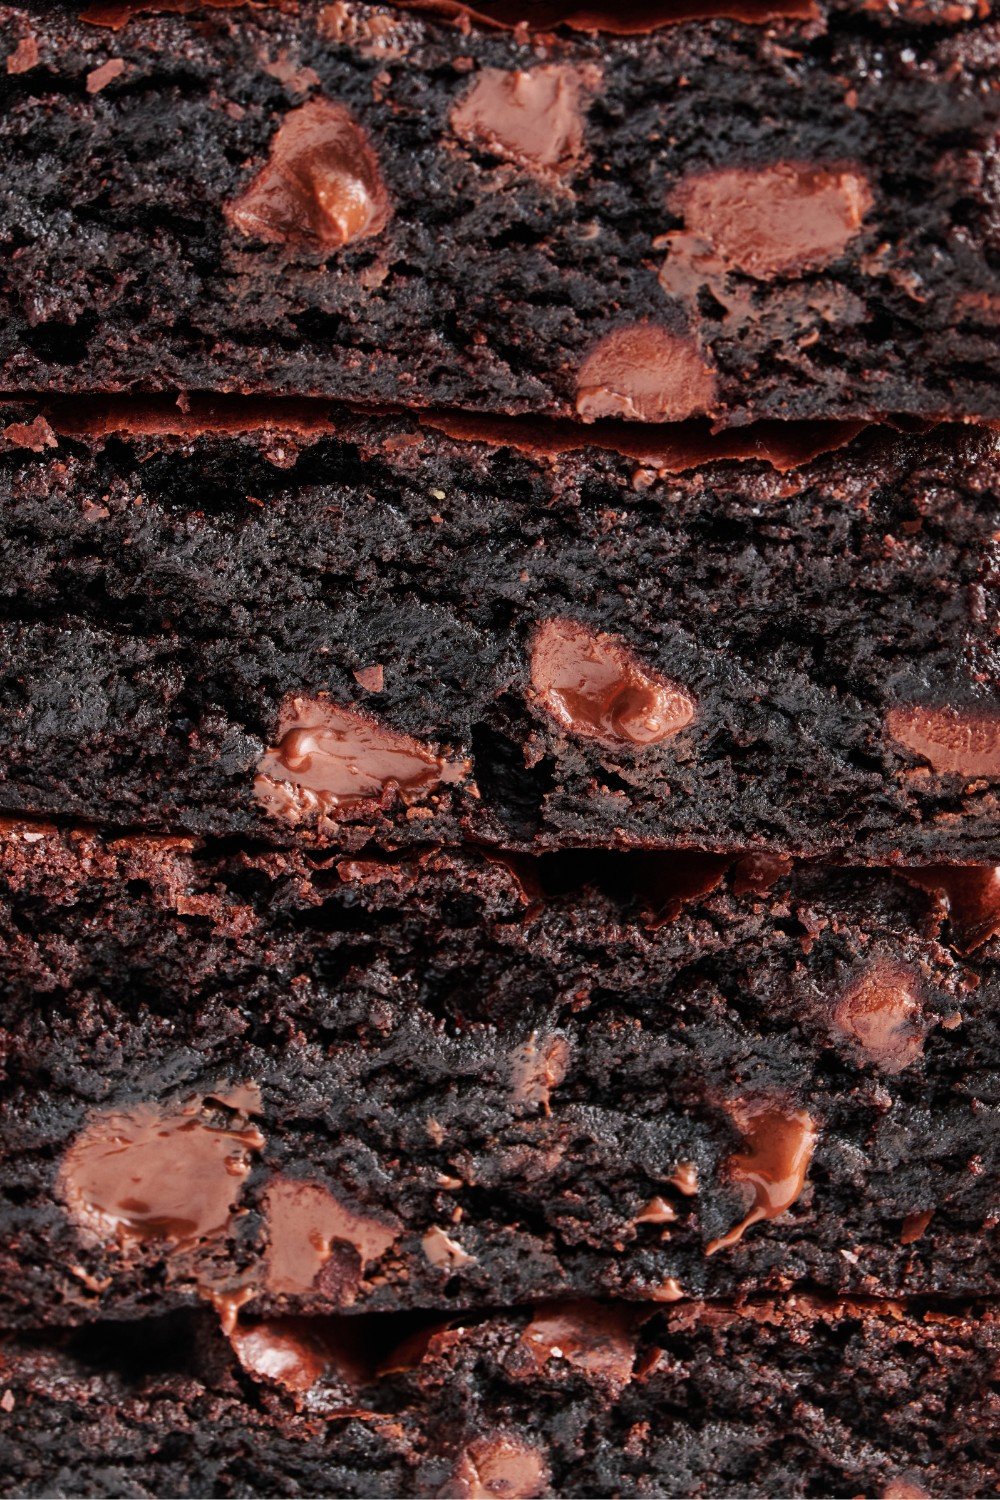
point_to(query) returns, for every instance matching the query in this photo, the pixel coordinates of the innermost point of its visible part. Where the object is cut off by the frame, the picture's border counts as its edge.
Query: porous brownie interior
(486, 265)
(554, 1399)
(177, 602)
(499, 739)
(478, 1081)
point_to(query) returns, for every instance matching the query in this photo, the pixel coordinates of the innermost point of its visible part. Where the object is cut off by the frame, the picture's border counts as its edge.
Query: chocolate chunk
(594, 686)
(685, 1179)
(915, 1226)
(329, 757)
(321, 186)
(36, 435)
(372, 33)
(599, 1340)
(972, 896)
(372, 679)
(304, 1222)
(537, 1067)
(441, 1250)
(780, 220)
(656, 1211)
(668, 1290)
(533, 117)
(779, 1147)
(953, 741)
(645, 374)
(878, 1013)
(24, 57)
(299, 1352)
(500, 1467)
(105, 74)
(164, 1172)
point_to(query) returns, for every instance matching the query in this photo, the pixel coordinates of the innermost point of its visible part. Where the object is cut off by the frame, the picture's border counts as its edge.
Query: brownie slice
(308, 1083)
(796, 1397)
(789, 219)
(338, 628)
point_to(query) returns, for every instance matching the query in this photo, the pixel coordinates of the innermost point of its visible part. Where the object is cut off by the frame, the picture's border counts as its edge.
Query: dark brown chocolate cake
(349, 627)
(449, 1082)
(787, 216)
(499, 749)
(571, 1398)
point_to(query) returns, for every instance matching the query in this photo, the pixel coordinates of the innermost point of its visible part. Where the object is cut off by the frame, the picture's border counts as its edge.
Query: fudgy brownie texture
(793, 1398)
(790, 219)
(309, 1083)
(346, 627)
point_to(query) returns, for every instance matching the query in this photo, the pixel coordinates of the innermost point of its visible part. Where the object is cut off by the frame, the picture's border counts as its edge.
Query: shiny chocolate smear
(779, 1144)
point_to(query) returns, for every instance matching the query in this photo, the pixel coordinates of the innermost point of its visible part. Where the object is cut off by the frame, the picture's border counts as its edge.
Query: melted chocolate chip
(299, 1352)
(428, 1343)
(537, 1067)
(595, 687)
(114, 14)
(779, 1147)
(321, 186)
(329, 758)
(953, 741)
(532, 117)
(281, 1350)
(645, 374)
(878, 1013)
(667, 882)
(155, 1172)
(599, 1340)
(780, 220)
(971, 894)
(245, 1098)
(755, 874)
(637, 18)
(304, 1222)
(500, 1467)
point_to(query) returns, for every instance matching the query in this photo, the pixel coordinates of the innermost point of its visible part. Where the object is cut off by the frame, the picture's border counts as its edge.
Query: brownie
(799, 1397)
(789, 216)
(450, 1081)
(337, 627)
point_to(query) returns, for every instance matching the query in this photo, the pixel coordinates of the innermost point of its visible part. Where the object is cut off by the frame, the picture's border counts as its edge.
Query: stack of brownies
(500, 748)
